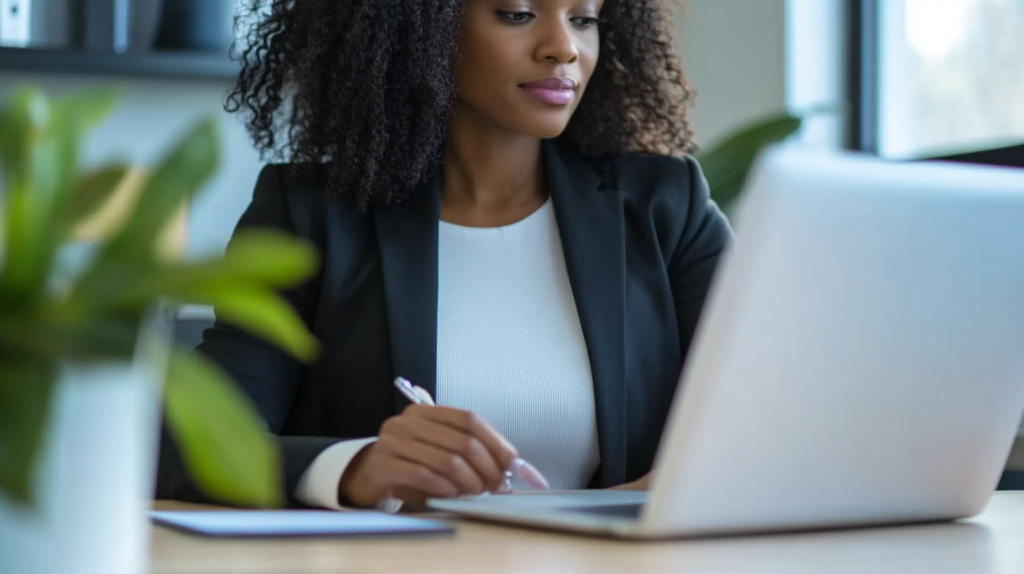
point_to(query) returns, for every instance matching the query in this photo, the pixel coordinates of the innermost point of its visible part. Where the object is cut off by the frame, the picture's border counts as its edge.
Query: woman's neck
(491, 176)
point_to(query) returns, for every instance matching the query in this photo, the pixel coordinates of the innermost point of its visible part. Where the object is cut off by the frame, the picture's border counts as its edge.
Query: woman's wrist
(350, 490)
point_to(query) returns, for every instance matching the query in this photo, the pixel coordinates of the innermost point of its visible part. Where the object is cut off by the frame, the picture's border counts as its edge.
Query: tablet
(296, 523)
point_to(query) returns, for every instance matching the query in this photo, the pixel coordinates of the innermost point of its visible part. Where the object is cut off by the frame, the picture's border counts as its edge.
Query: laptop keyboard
(611, 511)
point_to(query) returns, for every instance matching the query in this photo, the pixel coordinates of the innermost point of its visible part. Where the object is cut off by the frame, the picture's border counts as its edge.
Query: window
(939, 79)
(950, 75)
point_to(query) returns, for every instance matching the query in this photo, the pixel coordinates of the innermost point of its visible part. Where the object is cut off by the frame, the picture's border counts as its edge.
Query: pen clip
(416, 394)
(424, 396)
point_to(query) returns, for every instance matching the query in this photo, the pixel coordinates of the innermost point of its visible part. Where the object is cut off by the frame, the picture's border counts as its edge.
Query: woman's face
(526, 63)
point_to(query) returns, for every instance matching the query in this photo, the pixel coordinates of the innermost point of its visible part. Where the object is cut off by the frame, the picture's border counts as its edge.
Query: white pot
(96, 474)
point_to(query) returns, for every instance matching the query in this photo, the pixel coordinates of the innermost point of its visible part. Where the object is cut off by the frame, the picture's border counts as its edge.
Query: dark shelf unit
(177, 65)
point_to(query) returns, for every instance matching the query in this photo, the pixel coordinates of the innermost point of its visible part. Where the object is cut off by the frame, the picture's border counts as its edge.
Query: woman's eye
(585, 22)
(514, 17)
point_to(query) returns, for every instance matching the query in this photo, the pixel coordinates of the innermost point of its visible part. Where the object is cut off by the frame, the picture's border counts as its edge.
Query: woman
(483, 180)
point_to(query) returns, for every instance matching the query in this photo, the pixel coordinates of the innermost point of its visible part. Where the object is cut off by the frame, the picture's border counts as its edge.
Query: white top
(509, 348)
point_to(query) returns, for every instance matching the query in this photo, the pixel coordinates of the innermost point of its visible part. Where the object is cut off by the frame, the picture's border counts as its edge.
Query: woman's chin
(546, 130)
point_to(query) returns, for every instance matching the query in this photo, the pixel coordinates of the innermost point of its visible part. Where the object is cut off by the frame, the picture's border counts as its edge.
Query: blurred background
(169, 56)
(950, 75)
(914, 79)
(921, 78)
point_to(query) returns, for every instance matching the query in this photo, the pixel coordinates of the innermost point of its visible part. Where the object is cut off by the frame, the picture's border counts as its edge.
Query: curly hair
(365, 87)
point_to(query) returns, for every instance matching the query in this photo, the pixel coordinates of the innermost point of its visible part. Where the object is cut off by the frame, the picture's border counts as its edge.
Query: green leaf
(20, 123)
(19, 250)
(39, 186)
(39, 144)
(93, 192)
(181, 174)
(178, 178)
(73, 117)
(727, 164)
(227, 452)
(270, 257)
(26, 335)
(53, 335)
(259, 312)
(256, 258)
(26, 387)
(87, 109)
(101, 287)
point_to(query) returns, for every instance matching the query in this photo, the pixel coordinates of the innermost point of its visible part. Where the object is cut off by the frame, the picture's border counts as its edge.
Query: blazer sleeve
(269, 376)
(706, 233)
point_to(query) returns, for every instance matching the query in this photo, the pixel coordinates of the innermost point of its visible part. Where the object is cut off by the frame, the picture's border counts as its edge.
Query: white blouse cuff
(319, 484)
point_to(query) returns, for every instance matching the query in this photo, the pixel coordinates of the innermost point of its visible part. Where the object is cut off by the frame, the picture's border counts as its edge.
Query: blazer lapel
(407, 239)
(590, 223)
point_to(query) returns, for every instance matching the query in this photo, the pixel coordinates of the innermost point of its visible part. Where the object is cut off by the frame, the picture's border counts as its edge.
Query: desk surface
(992, 543)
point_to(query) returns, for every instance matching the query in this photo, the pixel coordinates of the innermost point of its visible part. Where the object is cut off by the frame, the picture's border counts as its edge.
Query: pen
(519, 469)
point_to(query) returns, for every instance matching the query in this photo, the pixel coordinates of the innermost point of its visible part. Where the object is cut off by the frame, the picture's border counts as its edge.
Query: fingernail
(506, 486)
(529, 474)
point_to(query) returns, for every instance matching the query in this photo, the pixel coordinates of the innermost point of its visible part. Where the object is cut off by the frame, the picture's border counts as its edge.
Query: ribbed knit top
(510, 347)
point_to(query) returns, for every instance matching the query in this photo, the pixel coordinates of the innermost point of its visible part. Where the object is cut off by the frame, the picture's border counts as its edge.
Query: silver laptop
(860, 360)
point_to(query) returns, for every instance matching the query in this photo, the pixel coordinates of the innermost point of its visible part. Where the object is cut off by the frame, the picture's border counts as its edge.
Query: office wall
(151, 115)
(733, 51)
(734, 55)
(816, 52)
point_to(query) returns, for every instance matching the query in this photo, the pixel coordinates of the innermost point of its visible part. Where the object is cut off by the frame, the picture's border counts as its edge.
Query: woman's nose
(557, 44)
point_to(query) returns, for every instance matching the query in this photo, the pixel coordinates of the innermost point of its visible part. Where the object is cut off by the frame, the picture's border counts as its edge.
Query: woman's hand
(428, 452)
(641, 484)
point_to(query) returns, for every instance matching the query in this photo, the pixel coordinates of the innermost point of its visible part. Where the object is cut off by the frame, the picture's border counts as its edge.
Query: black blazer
(641, 240)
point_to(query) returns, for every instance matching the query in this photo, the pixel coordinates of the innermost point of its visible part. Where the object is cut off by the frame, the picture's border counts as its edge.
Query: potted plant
(727, 162)
(84, 360)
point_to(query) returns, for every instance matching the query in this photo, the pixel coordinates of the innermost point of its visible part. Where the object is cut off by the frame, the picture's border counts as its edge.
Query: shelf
(180, 65)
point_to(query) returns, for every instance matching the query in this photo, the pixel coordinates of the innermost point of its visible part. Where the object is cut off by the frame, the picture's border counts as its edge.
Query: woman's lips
(555, 91)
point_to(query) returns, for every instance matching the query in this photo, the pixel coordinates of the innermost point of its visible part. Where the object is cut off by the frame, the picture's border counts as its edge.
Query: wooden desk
(992, 543)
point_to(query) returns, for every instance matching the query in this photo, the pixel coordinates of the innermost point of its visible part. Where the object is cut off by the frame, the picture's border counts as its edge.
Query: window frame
(864, 54)
(863, 67)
